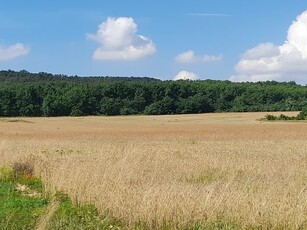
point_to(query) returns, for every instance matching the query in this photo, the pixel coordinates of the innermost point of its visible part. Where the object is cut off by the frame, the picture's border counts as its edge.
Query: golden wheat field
(180, 169)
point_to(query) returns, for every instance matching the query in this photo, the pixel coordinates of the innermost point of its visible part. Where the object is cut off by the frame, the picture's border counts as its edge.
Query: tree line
(42, 94)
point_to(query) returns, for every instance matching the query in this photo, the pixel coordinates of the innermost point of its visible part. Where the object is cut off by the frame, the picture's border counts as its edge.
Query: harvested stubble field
(228, 167)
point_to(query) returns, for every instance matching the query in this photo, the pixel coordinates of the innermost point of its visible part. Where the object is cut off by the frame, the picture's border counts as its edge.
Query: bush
(302, 115)
(283, 117)
(270, 117)
(21, 169)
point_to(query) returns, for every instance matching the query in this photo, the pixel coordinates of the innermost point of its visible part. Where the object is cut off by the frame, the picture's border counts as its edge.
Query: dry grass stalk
(172, 168)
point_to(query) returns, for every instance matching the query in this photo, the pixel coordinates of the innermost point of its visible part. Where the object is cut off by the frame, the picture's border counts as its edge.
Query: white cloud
(210, 58)
(185, 75)
(118, 41)
(261, 51)
(190, 57)
(282, 63)
(13, 51)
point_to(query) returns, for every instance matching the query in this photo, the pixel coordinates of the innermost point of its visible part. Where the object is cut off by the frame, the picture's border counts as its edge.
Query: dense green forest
(42, 94)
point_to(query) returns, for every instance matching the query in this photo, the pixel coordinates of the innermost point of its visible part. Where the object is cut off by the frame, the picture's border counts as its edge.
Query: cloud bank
(11, 52)
(185, 75)
(190, 57)
(268, 61)
(119, 40)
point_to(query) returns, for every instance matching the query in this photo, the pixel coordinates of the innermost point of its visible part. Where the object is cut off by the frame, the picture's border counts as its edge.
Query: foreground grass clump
(25, 205)
(21, 200)
(71, 216)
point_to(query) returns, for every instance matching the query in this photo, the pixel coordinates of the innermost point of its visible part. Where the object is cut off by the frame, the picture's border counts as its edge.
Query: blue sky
(197, 39)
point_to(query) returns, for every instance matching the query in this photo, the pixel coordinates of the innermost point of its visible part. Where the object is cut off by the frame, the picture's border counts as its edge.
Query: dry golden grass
(155, 169)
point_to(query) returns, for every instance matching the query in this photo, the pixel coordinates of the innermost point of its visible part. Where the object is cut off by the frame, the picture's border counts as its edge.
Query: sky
(237, 40)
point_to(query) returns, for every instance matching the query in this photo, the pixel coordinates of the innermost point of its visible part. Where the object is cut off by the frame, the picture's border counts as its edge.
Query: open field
(228, 167)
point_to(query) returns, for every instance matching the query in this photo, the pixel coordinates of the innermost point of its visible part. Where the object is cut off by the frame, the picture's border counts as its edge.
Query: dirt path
(45, 218)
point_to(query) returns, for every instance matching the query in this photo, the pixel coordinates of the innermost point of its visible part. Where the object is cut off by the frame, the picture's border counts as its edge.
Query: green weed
(6, 173)
(207, 176)
(70, 216)
(18, 208)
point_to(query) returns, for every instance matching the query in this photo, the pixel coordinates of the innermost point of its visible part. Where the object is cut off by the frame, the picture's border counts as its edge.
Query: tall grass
(173, 170)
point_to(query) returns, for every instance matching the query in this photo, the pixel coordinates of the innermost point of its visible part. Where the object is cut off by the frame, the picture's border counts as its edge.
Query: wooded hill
(42, 94)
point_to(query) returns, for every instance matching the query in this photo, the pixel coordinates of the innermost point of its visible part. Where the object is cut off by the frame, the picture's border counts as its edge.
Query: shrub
(23, 169)
(283, 117)
(302, 115)
(270, 117)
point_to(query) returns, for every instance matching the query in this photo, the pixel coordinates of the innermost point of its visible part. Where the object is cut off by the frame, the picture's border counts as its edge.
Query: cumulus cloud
(185, 75)
(13, 51)
(190, 57)
(282, 63)
(119, 40)
(261, 51)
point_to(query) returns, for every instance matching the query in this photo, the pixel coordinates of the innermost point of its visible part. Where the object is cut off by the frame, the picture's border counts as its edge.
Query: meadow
(174, 170)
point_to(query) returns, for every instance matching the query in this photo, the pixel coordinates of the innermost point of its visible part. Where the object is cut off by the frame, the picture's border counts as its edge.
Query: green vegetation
(207, 177)
(25, 205)
(70, 216)
(21, 200)
(301, 116)
(27, 94)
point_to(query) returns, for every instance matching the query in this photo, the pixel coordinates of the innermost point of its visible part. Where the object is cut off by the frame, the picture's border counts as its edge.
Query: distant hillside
(42, 94)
